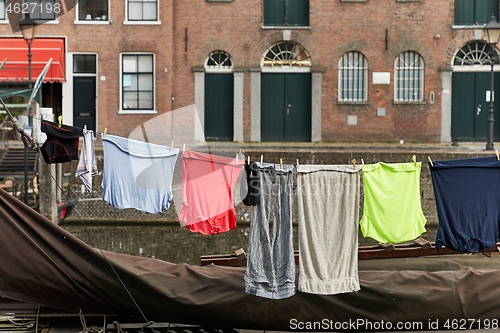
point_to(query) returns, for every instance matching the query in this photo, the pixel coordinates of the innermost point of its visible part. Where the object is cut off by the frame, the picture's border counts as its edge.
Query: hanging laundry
(87, 166)
(137, 174)
(392, 211)
(467, 202)
(207, 188)
(270, 262)
(61, 144)
(328, 208)
(250, 187)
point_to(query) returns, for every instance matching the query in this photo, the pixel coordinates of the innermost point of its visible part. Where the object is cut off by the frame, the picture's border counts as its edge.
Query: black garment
(251, 189)
(61, 144)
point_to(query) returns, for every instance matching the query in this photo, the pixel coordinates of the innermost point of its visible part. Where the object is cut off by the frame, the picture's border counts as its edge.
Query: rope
(25, 137)
(30, 143)
(84, 323)
(101, 251)
(37, 314)
(91, 329)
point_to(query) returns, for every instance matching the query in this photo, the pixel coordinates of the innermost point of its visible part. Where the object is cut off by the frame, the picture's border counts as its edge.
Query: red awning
(42, 49)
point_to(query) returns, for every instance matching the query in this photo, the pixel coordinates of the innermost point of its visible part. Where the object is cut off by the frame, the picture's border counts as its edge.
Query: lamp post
(28, 28)
(492, 35)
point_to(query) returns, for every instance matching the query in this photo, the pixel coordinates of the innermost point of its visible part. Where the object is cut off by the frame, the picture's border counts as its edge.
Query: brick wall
(189, 32)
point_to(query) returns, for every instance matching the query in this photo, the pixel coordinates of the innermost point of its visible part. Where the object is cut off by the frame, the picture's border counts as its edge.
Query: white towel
(87, 166)
(328, 217)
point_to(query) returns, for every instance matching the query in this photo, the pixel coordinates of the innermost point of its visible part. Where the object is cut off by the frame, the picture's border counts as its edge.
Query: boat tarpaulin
(43, 264)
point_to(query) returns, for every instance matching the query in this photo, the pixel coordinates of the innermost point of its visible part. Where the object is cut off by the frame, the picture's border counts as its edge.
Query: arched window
(219, 60)
(475, 53)
(286, 54)
(409, 77)
(353, 74)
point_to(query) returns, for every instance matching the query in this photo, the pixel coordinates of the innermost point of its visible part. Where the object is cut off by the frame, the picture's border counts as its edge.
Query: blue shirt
(137, 174)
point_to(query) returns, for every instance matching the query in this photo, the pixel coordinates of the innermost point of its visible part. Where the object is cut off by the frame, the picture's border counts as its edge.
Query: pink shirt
(208, 183)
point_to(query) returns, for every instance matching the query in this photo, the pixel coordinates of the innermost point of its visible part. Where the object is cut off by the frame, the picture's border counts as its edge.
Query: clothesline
(139, 175)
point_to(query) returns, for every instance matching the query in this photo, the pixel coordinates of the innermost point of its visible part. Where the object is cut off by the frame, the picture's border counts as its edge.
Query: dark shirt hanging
(467, 202)
(61, 144)
(251, 189)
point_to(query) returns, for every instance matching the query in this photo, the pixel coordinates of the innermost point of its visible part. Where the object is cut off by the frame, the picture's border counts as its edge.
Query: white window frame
(406, 69)
(121, 110)
(142, 22)
(92, 22)
(41, 21)
(361, 70)
(218, 67)
(279, 58)
(5, 20)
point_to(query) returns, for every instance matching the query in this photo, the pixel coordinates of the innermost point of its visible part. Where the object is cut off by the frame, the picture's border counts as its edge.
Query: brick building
(271, 70)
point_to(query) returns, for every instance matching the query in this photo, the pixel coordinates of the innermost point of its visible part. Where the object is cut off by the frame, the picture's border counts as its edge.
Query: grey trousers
(270, 261)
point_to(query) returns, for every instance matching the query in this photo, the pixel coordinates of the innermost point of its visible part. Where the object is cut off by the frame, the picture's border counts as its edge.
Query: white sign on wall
(381, 78)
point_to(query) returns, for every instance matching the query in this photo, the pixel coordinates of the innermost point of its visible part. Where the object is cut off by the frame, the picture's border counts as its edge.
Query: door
(469, 121)
(84, 102)
(219, 102)
(286, 107)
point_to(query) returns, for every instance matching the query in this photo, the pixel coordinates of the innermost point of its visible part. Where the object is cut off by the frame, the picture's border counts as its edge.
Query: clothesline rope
(96, 244)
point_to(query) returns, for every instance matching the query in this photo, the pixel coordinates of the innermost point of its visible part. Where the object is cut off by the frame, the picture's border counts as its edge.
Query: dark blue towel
(467, 195)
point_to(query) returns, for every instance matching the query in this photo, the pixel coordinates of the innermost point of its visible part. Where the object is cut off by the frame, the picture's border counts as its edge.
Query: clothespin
(105, 131)
(430, 161)
(281, 163)
(354, 164)
(248, 159)
(297, 161)
(362, 162)
(84, 129)
(414, 159)
(261, 159)
(183, 147)
(237, 158)
(172, 145)
(59, 119)
(498, 156)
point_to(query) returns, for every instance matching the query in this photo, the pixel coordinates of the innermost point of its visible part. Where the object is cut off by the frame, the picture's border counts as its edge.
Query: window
(84, 63)
(142, 10)
(353, 73)
(286, 54)
(42, 10)
(475, 12)
(286, 12)
(475, 53)
(219, 60)
(93, 10)
(2, 10)
(137, 81)
(409, 77)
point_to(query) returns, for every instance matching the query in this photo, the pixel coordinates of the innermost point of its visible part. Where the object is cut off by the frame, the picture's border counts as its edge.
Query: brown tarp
(43, 264)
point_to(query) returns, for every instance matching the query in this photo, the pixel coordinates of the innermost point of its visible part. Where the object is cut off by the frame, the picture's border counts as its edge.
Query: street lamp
(28, 28)
(492, 35)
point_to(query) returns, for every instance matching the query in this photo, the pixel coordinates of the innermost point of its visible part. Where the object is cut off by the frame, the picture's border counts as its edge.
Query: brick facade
(191, 30)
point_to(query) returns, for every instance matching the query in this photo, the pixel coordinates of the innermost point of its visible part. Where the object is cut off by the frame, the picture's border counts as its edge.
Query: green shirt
(392, 211)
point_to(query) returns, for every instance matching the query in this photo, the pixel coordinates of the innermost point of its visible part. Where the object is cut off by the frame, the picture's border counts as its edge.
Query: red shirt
(208, 183)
